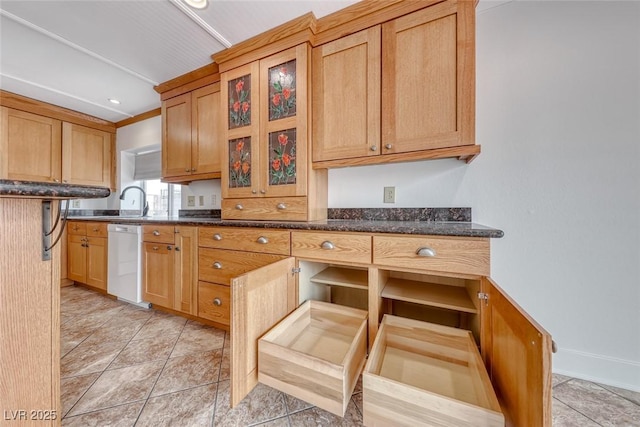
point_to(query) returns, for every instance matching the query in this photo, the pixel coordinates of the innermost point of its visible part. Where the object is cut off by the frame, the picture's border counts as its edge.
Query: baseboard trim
(597, 368)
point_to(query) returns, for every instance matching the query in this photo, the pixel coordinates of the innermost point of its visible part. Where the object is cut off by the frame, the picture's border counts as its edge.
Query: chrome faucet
(144, 205)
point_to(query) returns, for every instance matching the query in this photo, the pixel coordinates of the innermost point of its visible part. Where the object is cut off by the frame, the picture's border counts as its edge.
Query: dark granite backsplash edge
(401, 214)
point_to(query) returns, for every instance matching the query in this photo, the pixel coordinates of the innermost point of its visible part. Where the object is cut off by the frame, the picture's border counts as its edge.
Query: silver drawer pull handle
(217, 301)
(155, 248)
(426, 252)
(217, 265)
(239, 207)
(281, 206)
(217, 236)
(156, 233)
(327, 245)
(262, 240)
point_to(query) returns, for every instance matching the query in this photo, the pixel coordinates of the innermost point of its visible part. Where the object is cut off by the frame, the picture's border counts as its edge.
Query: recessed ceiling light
(197, 4)
(114, 101)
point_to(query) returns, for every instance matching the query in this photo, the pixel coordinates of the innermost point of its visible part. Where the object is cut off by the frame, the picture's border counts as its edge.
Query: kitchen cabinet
(516, 351)
(226, 253)
(44, 149)
(30, 146)
(410, 90)
(87, 253)
(191, 135)
(86, 155)
(267, 173)
(169, 257)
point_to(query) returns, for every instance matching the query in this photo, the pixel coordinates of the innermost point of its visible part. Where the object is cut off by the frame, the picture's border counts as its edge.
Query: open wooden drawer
(316, 354)
(422, 373)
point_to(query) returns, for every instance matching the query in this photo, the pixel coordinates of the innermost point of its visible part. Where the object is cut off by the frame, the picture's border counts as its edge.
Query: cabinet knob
(327, 245)
(217, 236)
(263, 191)
(426, 252)
(217, 265)
(262, 240)
(254, 191)
(217, 301)
(155, 248)
(388, 146)
(187, 169)
(177, 249)
(56, 180)
(281, 206)
(168, 247)
(193, 169)
(64, 180)
(239, 207)
(373, 148)
(95, 229)
(156, 233)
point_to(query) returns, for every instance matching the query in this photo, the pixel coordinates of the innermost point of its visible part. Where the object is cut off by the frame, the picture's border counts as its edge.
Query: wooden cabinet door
(186, 270)
(517, 354)
(239, 90)
(176, 136)
(259, 300)
(96, 251)
(284, 127)
(158, 274)
(346, 97)
(86, 156)
(30, 146)
(428, 89)
(77, 258)
(206, 146)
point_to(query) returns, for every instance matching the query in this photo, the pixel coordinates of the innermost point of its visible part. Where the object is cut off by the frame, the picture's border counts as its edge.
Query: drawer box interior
(420, 373)
(316, 354)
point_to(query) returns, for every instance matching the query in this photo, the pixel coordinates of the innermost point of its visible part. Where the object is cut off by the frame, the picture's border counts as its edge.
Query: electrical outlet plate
(201, 200)
(191, 201)
(389, 194)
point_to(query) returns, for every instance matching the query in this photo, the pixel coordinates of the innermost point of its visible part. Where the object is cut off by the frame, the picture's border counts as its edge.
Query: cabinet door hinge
(484, 296)
(295, 270)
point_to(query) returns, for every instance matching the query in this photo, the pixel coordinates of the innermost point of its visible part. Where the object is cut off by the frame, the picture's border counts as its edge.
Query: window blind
(148, 165)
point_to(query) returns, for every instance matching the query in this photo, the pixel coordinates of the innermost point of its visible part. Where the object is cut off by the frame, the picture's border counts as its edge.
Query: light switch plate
(200, 200)
(191, 201)
(389, 195)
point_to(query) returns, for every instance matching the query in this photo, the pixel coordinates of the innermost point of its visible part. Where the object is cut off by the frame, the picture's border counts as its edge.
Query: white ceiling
(78, 54)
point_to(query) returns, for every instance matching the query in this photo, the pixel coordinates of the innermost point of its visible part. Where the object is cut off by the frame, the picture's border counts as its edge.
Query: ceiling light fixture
(197, 4)
(114, 101)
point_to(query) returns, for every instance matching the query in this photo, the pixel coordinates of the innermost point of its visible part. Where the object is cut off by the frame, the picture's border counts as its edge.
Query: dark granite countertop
(440, 228)
(44, 190)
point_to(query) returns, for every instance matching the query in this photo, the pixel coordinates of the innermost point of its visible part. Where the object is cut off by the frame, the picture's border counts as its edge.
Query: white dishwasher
(124, 275)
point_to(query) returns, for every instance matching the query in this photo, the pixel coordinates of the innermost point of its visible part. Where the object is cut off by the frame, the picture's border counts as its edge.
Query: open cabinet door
(259, 300)
(517, 354)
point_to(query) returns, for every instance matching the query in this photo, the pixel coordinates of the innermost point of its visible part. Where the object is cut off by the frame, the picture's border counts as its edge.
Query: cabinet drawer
(77, 228)
(316, 353)
(96, 229)
(343, 247)
(159, 233)
(246, 239)
(266, 208)
(420, 371)
(445, 254)
(219, 266)
(214, 302)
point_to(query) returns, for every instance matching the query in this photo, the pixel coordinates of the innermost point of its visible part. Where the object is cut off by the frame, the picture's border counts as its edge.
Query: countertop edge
(44, 190)
(437, 228)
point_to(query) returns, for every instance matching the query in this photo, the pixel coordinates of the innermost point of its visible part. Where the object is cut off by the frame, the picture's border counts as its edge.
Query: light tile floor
(122, 366)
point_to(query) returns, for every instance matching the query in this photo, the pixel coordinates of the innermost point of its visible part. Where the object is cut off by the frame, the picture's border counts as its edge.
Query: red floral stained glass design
(240, 102)
(282, 90)
(240, 162)
(282, 157)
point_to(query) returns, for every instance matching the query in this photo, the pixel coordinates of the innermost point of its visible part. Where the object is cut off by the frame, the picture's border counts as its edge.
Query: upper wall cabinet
(191, 135)
(54, 145)
(30, 146)
(86, 156)
(403, 90)
(266, 140)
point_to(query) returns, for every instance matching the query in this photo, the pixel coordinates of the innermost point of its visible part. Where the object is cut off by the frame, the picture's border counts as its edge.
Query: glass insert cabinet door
(239, 107)
(282, 90)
